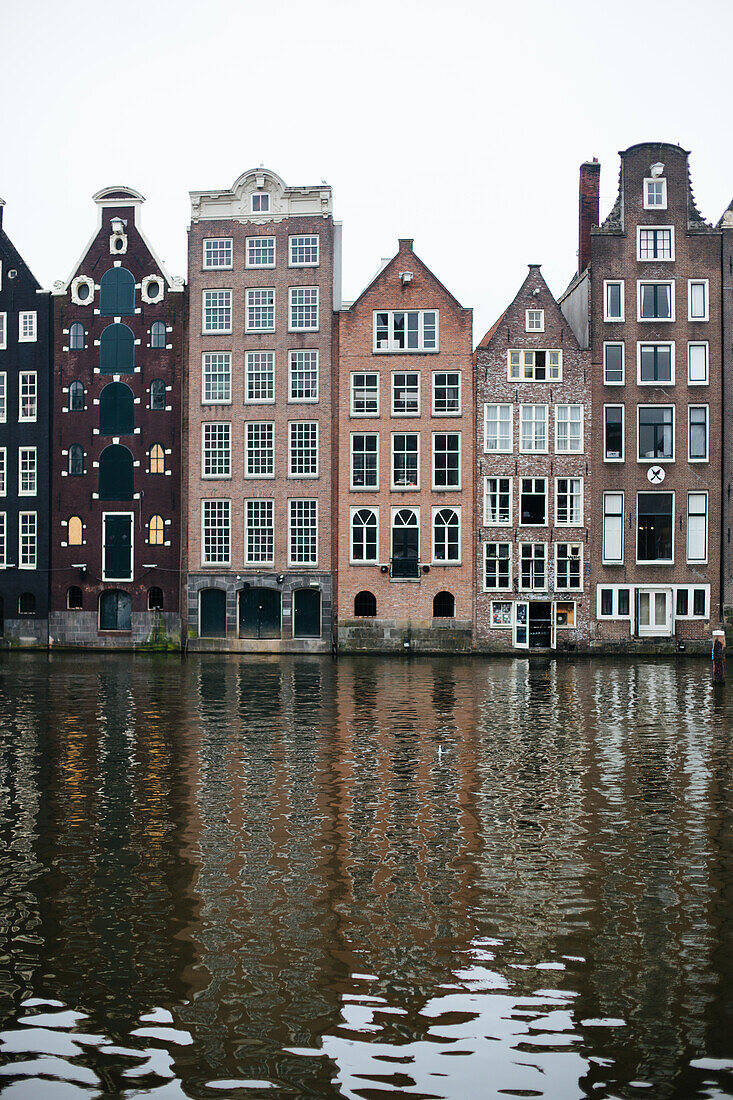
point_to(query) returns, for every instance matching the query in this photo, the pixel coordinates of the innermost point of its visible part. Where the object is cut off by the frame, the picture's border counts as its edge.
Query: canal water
(245, 877)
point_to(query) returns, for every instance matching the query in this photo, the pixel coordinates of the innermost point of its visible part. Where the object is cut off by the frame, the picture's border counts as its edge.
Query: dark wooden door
(213, 616)
(307, 622)
(259, 613)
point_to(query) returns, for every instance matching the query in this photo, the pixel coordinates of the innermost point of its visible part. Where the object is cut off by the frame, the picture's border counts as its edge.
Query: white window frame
(27, 326)
(703, 560)
(368, 414)
(3, 540)
(568, 588)
(309, 306)
(508, 522)
(293, 562)
(3, 471)
(570, 477)
(263, 205)
(22, 516)
(510, 578)
(312, 451)
(3, 397)
(225, 511)
(260, 501)
(254, 366)
(654, 229)
(206, 451)
(615, 344)
(292, 359)
(217, 267)
(22, 382)
(534, 450)
(501, 603)
(581, 442)
(656, 320)
(614, 590)
(270, 450)
(653, 561)
(522, 365)
(353, 512)
(707, 433)
(658, 205)
(706, 347)
(533, 557)
(224, 330)
(225, 373)
(615, 405)
(447, 562)
(444, 374)
(447, 488)
(24, 454)
(606, 538)
(532, 478)
(251, 304)
(671, 344)
(655, 460)
(362, 488)
(528, 327)
(606, 315)
(300, 237)
(411, 374)
(3, 331)
(705, 284)
(498, 450)
(691, 589)
(403, 488)
(258, 240)
(105, 517)
(392, 348)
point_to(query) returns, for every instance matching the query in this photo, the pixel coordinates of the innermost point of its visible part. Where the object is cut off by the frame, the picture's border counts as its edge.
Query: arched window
(75, 533)
(157, 394)
(76, 460)
(155, 599)
(405, 544)
(365, 603)
(116, 410)
(156, 455)
(157, 335)
(27, 604)
(117, 350)
(117, 293)
(446, 537)
(74, 598)
(364, 535)
(76, 397)
(76, 336)
(156, 531)
(444, 606)
(115, 473)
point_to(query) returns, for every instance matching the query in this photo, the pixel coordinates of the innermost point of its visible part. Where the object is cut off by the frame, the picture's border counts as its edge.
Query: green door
(307, 616)
(213, 613)
(259, 613)
(118, 548)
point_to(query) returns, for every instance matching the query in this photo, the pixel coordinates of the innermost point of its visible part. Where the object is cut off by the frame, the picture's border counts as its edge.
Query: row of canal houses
(245, 462)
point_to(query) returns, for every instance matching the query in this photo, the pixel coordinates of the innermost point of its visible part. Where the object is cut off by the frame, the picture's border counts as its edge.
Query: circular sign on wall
(655, 474)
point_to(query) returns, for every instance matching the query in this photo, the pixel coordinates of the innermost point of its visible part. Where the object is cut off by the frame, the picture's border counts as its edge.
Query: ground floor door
(259, 613)
(118, 548)
(115, 611)
(521, 624)
(654, 612)
(213, 613)
(307, 613)
(540, 624)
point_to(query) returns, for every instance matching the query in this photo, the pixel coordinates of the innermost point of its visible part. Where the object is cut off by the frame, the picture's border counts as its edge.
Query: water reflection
(421, 878)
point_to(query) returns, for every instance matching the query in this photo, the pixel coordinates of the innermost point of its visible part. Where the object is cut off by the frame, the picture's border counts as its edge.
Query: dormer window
(260, 202)
(655, 194)
(535, 320)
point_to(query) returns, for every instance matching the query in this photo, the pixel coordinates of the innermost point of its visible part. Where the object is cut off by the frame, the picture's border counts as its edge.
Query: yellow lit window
(157, 459)
(156, 529)
(76, 531)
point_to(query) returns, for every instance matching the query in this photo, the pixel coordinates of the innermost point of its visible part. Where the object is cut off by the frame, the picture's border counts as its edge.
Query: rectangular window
(217, 310)
(655, 364)
(303, 376)
(698, 433)
(261, 203)
(27, 396)
(406, 461)
(534, 320)
(3, 471)
(3, 397)
(656, 243)
(365, 460)
(216, 450)
(497, 502)
(699, 602)
(415, 330)
(613, 433)
(260, 310)
(569, 566)
(303, 532)
(3, 330)
(569, 501)
(568, 429)
(303, 448)
(446, 460)
(216, 369)
(3, 540)
(655, 301)
(656, 433)
(259, 377)
(406, 394)
(613, 528)
(533, 429)
(304, 251)
(260, 252)
(498, 429)
(259, 532)
(613, 300)
(654, 527)
(533, 566)
(697, 527)
(534, 366)
(218, 252)
(216, 532)
(303, 308)
(27, 472)
(446, 393)
(259, 439)
(613, 364)
(697, 364)
(697, 299)
(27, 326)
(365, 394)
(497, 566)
(683, 603)
(623, 596)
(501, 613)
(27, 540)
(532, 501)
(655, 194)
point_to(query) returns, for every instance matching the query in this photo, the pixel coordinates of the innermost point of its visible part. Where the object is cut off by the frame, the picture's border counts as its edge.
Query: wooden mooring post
(718, 656)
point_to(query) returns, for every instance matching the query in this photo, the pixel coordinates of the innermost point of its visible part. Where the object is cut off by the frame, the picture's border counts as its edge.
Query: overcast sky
(460, 123)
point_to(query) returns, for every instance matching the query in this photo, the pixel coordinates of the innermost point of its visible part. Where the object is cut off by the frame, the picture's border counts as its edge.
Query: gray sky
(459, 123)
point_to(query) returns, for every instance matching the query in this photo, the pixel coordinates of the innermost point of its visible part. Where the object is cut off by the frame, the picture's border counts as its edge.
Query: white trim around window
(697, 528)
(572, 416)
(534, 320)
(610, 314)
(657, 190)
(504, 425)
(456, 512)
(613, 529)
(655, 243)
(27, 326)
(448, 471)
(614, 375)
(374, 512)
(259, 251)
(3, 331)
(612, 457)
(698, 360)
(705, 410)
(656, 344)
(654, 561)
(653, 459)
(28, 540)
(27, 471)
(501, 489)
(698, 299)
(216, 529)
(640, 283)
(217, 253)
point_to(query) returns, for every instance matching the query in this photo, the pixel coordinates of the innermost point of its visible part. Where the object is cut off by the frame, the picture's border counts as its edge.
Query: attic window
(535, 320)
(655, 194)
(260, 202)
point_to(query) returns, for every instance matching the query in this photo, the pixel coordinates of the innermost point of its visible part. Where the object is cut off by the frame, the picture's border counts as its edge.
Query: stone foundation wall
(160, 630)
(402, 635)
(25, 632)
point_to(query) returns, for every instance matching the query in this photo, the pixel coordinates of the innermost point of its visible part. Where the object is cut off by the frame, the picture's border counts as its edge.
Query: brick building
(116, 445)
(405, 463)
(726, 227)
(533, 427)
(264, 276)
(25, 419)
(649, 303)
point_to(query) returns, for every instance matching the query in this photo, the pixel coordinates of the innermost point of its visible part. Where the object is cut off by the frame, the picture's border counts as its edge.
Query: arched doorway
(116, 478)
(115, 611)
(212, 613)
(307, 613)
(259, 613)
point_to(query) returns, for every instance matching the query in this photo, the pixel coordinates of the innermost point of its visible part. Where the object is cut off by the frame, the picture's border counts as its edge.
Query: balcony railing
(404, 569)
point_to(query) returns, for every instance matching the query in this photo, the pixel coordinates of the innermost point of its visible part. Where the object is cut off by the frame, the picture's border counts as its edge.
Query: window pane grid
(304, 307)
(303, 375)
(216, 532)
(27, 471)
(569, 420)
(364, 535)
(364, 449)
(569, 510)
(260, 532)
(218, 252)
(303, 448)
(260, 376)
(217, 310)
(568, 565)
(447, 460)
(497, 501)
(365, 394)
(217, 450)
(446, 393)
(260, 448)
(533, 428)
(497, 566)
(217, 371)
(260, 310)
(27, 396)
(27, 540)
(304, 251)
(405, 461)
(446, 536)
(532, 565)
(406, 394)
(303, 532)
(260, 252)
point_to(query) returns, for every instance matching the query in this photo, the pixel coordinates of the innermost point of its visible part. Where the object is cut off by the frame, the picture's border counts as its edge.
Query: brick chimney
(590, 180)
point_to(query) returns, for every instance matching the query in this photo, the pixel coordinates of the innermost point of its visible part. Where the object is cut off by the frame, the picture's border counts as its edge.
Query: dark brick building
(649, 303)
(116, 445)
(726, 227)
(25, 420)
(533, 431)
